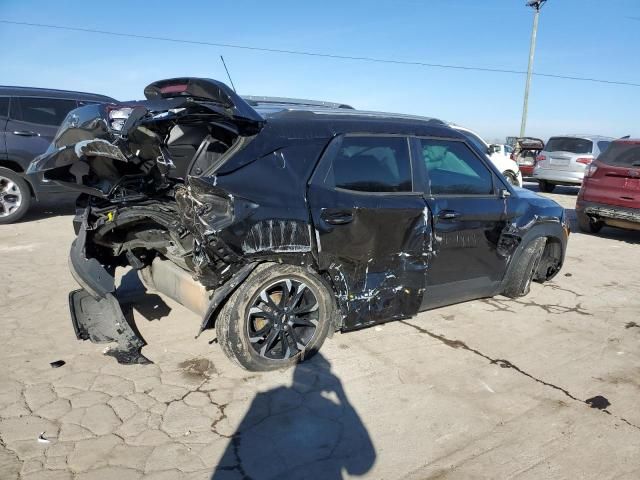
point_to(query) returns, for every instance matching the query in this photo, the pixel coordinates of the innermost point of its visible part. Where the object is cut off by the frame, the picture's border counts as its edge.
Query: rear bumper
(95, 311)
(558, 176)
(613, 215)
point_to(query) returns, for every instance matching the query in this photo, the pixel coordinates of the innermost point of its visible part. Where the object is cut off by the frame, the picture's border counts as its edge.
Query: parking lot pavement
(545, 386)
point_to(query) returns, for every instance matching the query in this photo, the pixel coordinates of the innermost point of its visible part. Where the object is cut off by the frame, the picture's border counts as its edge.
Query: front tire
(279, 316)
(587, 225)
(521, 275)
(546, 187)
(15, 196)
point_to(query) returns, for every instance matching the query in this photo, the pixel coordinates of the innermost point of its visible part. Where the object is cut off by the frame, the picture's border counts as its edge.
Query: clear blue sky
(592, 38)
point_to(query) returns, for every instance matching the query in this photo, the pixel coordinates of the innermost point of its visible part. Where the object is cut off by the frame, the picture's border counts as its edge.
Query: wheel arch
(552, 257)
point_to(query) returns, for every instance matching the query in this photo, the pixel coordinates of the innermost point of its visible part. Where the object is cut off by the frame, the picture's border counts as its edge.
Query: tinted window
(569, 144)
(453, 169)
(602, 145)
(45, 111)
(622, 154)
(373, 164)
(4, 106)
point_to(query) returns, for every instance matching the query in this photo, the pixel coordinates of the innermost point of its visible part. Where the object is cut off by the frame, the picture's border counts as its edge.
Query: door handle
(449, 214)
(26, 133)
(337, 218)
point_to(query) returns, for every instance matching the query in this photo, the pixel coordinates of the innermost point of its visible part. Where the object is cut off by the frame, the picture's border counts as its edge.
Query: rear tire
(546, 186)
(15, 196)
(279, 316)
(587, 225)
(521, 275)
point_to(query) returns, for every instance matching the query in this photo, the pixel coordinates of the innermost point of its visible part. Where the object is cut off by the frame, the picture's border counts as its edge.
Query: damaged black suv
(282, 224)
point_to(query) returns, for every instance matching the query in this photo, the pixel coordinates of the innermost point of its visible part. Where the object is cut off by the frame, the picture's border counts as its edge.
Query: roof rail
(257, 100)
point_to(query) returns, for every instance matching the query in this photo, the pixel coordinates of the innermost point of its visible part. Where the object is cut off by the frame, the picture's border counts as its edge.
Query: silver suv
(564, 159)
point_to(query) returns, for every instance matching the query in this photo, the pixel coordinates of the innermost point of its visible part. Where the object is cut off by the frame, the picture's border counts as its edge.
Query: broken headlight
(118, 117)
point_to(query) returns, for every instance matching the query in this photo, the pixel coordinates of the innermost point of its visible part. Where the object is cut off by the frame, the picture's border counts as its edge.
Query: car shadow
(64, 205)
(132, 294)
(307, 430)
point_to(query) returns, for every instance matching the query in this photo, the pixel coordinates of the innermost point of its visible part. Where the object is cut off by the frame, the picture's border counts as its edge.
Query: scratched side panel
(378, 261)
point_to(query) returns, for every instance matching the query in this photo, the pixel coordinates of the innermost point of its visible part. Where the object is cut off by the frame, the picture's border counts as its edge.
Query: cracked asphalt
(545, 386)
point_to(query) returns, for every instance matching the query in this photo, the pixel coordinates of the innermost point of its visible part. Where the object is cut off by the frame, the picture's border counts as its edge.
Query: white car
(498, 156)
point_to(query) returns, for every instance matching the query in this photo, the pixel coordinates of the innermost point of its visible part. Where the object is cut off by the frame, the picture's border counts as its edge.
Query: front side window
(453, 169)
(373, 164)
(43, 111)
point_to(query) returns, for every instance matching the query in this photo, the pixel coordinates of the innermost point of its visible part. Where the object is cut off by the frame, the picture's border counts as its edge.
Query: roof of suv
(52, 93)
(584, 136)
(330, 113)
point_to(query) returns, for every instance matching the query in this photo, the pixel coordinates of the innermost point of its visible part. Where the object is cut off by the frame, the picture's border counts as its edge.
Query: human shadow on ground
(306, 431)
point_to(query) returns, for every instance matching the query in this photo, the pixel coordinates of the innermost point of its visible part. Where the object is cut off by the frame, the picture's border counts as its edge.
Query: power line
(319, 54)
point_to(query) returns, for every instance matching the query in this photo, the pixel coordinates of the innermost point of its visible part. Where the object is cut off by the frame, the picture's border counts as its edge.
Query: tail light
(118, 117)
(584, 160)
(540, 158)
(590, 171)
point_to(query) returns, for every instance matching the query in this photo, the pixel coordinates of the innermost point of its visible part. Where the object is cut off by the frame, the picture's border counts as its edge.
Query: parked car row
(607, 171)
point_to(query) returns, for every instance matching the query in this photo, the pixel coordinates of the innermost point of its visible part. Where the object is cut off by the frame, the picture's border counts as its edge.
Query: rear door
(32, 125)
(4, 116)
(469, 215)
(616, 180)
(372, 228)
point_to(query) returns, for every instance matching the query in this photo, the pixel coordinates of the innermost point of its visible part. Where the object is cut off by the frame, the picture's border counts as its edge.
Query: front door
(469, 210)
(371, 228)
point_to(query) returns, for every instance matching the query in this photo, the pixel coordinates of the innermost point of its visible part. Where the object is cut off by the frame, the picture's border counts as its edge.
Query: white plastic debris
(43, 439)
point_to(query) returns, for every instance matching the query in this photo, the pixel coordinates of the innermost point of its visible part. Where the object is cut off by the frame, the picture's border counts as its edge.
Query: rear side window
(4, 106)
(622, 154)
(373, 164)
(43, 111)
(453, 169)
(569, 144)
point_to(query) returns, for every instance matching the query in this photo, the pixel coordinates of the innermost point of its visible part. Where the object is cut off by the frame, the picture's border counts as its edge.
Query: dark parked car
(610, 192)
(29, 118)
(282, 225)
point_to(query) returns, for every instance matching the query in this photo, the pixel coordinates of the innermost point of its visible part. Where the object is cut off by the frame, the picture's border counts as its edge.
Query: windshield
(622, 154)
(569, 144)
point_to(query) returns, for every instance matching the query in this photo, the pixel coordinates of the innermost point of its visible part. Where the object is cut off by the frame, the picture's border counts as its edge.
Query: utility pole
(536, 5)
